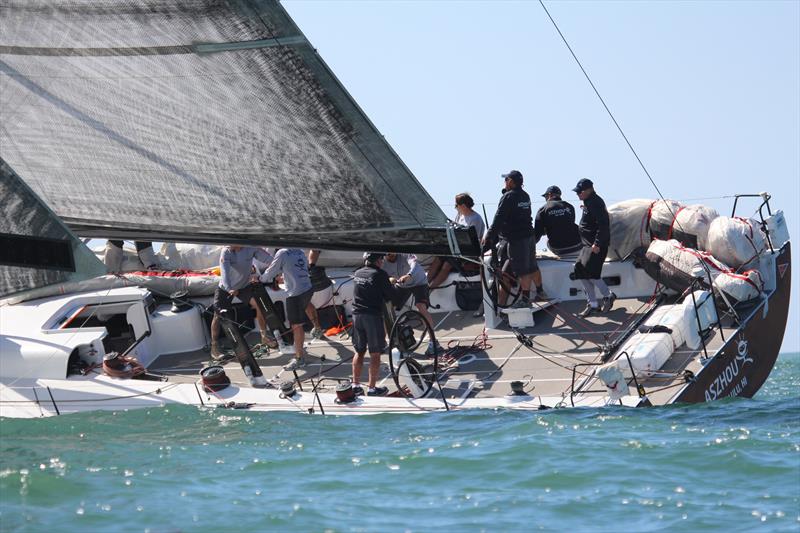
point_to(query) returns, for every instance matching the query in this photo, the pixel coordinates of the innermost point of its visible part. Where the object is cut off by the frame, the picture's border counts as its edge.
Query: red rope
(745, 277)
(672, 224)
(170, 273)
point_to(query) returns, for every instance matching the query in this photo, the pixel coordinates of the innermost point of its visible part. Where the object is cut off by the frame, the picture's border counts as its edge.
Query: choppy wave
(732, 464)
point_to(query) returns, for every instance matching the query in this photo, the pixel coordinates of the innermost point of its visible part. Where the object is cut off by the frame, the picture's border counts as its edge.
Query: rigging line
(551, 358)
(507, 359)
(610, 114)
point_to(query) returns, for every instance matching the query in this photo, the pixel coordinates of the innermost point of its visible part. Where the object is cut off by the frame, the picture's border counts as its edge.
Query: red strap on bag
(674, 218)
(744, 276)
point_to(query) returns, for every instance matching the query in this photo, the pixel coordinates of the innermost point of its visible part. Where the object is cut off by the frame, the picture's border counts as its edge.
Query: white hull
(42, 340)
(102, 393)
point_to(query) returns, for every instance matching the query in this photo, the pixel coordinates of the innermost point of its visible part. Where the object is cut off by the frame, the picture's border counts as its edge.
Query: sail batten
(199, 121)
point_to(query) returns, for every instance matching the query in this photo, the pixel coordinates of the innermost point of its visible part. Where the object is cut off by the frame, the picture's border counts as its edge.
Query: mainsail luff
(200, 121)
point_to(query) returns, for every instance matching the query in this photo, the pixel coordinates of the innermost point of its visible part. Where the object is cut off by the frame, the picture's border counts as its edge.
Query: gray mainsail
(36, 249)
(204, 121)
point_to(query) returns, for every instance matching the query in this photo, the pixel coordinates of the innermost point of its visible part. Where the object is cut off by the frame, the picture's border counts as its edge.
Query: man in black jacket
(513, 225)
(371, 289)
(556, 219)
(595, 233)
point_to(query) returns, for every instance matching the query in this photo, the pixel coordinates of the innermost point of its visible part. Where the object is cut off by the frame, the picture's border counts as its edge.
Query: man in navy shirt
(556, 219)
(513, 227)
(595, 235)
(371, 289)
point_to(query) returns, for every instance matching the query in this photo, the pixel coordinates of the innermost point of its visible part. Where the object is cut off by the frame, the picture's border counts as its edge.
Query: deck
(479, 363)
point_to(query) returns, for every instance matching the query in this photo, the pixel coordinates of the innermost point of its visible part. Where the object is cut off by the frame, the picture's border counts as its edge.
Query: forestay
(199, 121)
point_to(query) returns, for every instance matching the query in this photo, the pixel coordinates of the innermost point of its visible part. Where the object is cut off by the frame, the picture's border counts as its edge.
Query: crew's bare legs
(374, 368)
(262, 323)
(215, 329)
(311, 313)
(444, 271)
(299, 337)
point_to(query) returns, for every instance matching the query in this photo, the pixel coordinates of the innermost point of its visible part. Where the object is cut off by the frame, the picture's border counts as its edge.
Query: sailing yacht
(219, 123)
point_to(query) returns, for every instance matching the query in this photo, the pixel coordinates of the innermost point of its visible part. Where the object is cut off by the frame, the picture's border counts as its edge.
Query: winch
(214, 378)
(345, 393)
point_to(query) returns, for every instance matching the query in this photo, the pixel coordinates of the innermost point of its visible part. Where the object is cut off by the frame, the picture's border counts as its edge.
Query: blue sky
(708, 93)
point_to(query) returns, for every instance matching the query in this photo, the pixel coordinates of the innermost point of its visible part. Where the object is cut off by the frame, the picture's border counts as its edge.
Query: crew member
(556, 219)
(293, 264)
(513, 228)
(371, 288)
(409, 277)
(113, 257)
(441, 266)
(595, 233)
(236, 269)
(323, 295)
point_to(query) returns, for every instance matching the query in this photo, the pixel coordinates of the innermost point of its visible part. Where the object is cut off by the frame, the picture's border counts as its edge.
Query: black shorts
(567, 250)
(296, 307)
(590, 265)
(520, 255)
(368, 333)
(421, 295)
(223, 300)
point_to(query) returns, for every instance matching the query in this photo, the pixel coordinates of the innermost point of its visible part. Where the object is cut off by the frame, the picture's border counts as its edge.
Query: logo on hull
(729, 374)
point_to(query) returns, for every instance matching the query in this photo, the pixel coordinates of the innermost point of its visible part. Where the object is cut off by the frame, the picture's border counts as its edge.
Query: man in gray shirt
(410, 278)
(292, 263)
(236, 271)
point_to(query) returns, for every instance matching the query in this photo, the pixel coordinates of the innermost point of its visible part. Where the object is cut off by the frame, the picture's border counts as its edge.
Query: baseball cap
(514, 175)
(553, 189)
(583, 184)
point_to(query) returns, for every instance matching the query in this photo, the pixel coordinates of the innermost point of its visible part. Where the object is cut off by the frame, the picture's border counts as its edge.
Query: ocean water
(727, 465)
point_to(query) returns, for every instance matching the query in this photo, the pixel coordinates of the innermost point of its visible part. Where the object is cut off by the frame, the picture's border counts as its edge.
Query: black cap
(583, 184)
(371, 257)
(553, 189)
(514, 175)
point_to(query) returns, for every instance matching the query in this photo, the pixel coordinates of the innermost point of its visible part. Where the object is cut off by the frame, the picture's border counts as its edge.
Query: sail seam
(199, 48)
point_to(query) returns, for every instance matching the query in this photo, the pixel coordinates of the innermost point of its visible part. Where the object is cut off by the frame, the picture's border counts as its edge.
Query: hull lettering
(728, 376)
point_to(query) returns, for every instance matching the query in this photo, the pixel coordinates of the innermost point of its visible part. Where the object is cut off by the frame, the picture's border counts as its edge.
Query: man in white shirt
(442, 266)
